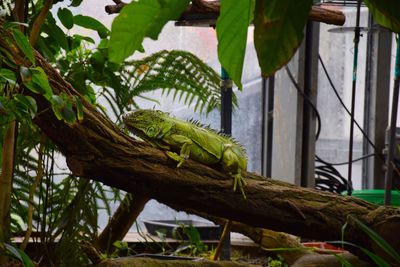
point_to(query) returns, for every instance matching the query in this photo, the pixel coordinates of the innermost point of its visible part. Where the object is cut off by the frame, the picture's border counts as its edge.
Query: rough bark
(211, 8)
(98, 150)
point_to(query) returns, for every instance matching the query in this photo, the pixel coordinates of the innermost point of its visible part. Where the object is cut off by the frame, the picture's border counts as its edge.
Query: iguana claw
(174, 156)
(239, 181)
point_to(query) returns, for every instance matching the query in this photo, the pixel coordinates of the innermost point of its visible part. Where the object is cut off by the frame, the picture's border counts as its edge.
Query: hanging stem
(32, 189)
(6, 177)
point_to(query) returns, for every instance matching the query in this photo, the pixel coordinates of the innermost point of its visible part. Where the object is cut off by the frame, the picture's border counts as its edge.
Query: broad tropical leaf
(278, 31)
(140, 19)
(92, 24)
(66, 17)
(232, 24)
(24, 44)
(386, 13)
(7, 75)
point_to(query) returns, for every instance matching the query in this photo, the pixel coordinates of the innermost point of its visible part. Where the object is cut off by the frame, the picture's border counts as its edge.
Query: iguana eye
(151, 131)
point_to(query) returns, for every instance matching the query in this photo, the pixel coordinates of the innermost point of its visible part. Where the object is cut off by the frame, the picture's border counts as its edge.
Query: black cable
(292, 79)
(342, 103)
(346, 162)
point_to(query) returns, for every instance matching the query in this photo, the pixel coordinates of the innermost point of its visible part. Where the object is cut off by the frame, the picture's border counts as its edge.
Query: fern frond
(178, 71)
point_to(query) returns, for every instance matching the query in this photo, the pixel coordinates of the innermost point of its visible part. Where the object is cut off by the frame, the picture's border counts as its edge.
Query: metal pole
(392, 129)
(353, 96)
(267, 124)
(226, 128)
(226, 103)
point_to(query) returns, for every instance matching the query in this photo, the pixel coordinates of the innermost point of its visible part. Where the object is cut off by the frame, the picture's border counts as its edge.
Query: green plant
(122, 249)
(194, 246)
(277, 262)
(19, 255)
(378, 240)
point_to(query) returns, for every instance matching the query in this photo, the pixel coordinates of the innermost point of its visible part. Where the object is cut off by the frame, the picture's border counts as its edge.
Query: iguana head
(148, 123)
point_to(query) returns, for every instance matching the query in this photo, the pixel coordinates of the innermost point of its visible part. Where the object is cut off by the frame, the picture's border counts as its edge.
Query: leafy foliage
(235, 15)
(191, 80)
(194, 246)
(386, 13)
(19, 255)
(278, 31)
(149, 17)
(23, 44)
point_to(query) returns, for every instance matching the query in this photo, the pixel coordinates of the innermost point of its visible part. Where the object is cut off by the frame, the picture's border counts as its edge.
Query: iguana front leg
(179, 141)
(233, 164)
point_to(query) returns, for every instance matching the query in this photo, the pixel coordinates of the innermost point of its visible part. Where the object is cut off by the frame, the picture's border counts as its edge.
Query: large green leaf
(23, 44)
(7, 75)
(278, 31)
(232, 25)
(39, 78)
(386, 13)
(76, 2)
(66, 17)
(19, 255)
(35, 79)
(92, 24)
(55, 32)
(140, 19)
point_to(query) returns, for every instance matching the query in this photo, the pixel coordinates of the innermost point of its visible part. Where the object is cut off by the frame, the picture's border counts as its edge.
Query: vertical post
(226, 128)
(376, 103)
(310, 89)
(226, 103)
(392, 136)
(267, 125)
(353, 98)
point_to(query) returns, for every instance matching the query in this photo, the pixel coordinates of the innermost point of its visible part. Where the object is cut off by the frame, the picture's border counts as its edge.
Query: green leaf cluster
(386, 13)
(278, 29)
(148, 18)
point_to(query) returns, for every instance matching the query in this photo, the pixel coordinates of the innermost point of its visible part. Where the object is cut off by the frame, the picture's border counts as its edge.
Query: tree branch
(39, 22)
(318, 14)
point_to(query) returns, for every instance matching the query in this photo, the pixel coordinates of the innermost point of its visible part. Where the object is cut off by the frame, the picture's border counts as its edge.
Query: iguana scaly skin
(184, 139)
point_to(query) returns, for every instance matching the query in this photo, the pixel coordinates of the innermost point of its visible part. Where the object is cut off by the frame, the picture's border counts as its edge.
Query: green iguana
(184, 139)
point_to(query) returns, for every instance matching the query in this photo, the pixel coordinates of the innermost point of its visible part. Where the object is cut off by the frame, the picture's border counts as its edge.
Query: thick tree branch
(211, 8)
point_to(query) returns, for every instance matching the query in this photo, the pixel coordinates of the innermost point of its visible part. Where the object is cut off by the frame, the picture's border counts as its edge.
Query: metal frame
(376, 103)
